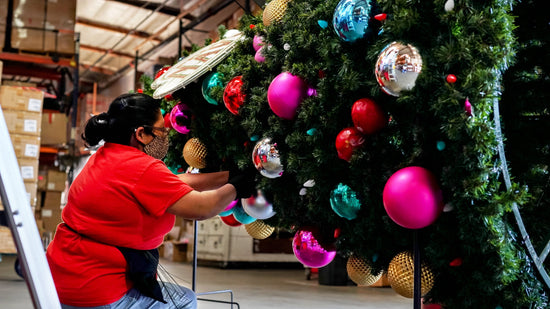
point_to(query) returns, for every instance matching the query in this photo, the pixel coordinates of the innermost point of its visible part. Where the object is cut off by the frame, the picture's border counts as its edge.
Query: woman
(120, 207)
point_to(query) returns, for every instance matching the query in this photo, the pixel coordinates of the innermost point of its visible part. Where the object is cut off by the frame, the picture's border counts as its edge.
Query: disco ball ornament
(347, 141)
(397, 68)
(352, 18)
(401, 275)
(233, 95)
(266, 159)
(285, 93)
(241, 216)
(180, 118)
(259, 229)
(344, 202)
(230, 220)
(367, 116)
(412, 197)
(211, 81)
(194, 153)
(360, 271)
(258, 206)
(274, 11)
(308, 250)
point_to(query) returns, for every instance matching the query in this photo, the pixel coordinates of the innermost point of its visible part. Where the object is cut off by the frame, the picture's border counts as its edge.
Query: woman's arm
(197, 205)
(206, 181)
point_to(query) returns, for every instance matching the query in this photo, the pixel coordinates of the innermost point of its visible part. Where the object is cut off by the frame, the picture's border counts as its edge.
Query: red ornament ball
(167, 123)
(230, 220)
(161, 71)
(233, 95)
(169, 97)
(451, 79)
(367, 116)
(347, 141)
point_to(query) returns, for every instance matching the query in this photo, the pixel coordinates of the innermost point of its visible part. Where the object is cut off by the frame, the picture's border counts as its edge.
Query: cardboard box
(56, 180)
(29, 169)
(52, 201)
(6, 241)
(42, 179)
(50, 219)
(20, 122)
(54, 128)
(30, 188)
(175, 251)
(21, 98)
(26, 146)
(1, 66)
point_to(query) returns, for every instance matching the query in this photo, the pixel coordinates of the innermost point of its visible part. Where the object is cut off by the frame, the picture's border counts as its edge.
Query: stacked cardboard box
(52, 189)
(22, 109)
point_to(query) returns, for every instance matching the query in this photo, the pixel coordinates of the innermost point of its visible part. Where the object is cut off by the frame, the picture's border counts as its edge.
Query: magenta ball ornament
(229, 209)
(259, 57)
(257, 42)
(308, 250)
(180, 118)
(412, 197)
(285, 93)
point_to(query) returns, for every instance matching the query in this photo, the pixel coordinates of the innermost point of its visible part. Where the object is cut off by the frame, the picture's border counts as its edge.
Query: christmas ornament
(194, 153)
(351, 19)
(381, 16)
(468, 108)
(449, 5)
(229, 209)
(322, 23)
(211, 81)
(347, 141)
(285, 93)
(258, 206)
(308, 250)
(167, 123)
(337, 232)
(162, 71)
(266, 159)
(230, 220)
(233, 95)
(367, 116)
(440, 145)
(259, 57)
(429, 306)
(412, 197)
(456, 262)
(259, 230)
(360, 271)
(274, 11)
(451, 79)
(241, 216)
(180, 118)
(344, 202)
(397, 68)
(257, 42)
(311, 131)
(401, 275)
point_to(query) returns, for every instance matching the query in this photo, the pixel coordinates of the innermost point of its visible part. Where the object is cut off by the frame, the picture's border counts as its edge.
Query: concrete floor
(252, 289)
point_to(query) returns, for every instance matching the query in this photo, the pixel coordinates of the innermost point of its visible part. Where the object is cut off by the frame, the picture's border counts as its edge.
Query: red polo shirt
(119, 199)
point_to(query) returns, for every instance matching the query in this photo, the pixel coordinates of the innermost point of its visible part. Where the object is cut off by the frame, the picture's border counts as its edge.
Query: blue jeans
(177, 297)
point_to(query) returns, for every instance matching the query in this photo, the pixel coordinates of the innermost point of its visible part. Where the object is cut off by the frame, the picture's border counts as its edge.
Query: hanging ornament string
(504, 166)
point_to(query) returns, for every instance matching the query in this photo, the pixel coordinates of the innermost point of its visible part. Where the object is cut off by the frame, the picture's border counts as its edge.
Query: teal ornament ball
(441, 145)
(241, 216)
(352, 20)
(322, 23)
(344, 202)
(212, 80)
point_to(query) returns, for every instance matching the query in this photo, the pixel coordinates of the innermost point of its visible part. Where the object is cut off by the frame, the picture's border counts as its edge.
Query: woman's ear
(142, 137)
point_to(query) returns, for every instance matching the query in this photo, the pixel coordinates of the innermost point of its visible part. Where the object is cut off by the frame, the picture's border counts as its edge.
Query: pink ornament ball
(285, 93)
(257, 42)
(412, 197)
(180, 118)
(259, 57)
(308, 250)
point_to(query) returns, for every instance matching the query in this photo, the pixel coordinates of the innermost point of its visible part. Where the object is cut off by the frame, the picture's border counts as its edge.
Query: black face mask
(158, 147)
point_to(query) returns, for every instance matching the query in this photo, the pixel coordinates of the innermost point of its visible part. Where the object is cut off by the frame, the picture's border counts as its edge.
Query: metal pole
(136, 59)
(195, 234)
(417, 272)
(9, 27)
(179, 39)
(74, 112)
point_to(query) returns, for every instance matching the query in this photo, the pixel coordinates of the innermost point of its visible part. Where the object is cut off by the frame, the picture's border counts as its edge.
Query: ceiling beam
(150, 6)
(105, 51)
(30, 70)
(94, 24)
(37, 59)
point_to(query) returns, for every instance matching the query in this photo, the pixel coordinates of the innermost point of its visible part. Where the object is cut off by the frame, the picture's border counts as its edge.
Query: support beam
(150, 6)
(94, 24)
(105, 51)
(37, 59)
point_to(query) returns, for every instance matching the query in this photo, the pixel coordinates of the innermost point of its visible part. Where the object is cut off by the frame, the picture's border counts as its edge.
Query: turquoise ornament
(254, 138)
(322, 23)
(162, 111)
(441, 145)
(209, 82)
(375, 257)
(352, 20)
(311, 132)
(241, 216)
(226, 213)
(344, 202)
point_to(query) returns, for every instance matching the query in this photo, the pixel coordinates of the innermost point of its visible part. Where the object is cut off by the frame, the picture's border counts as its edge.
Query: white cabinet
(218, 242)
